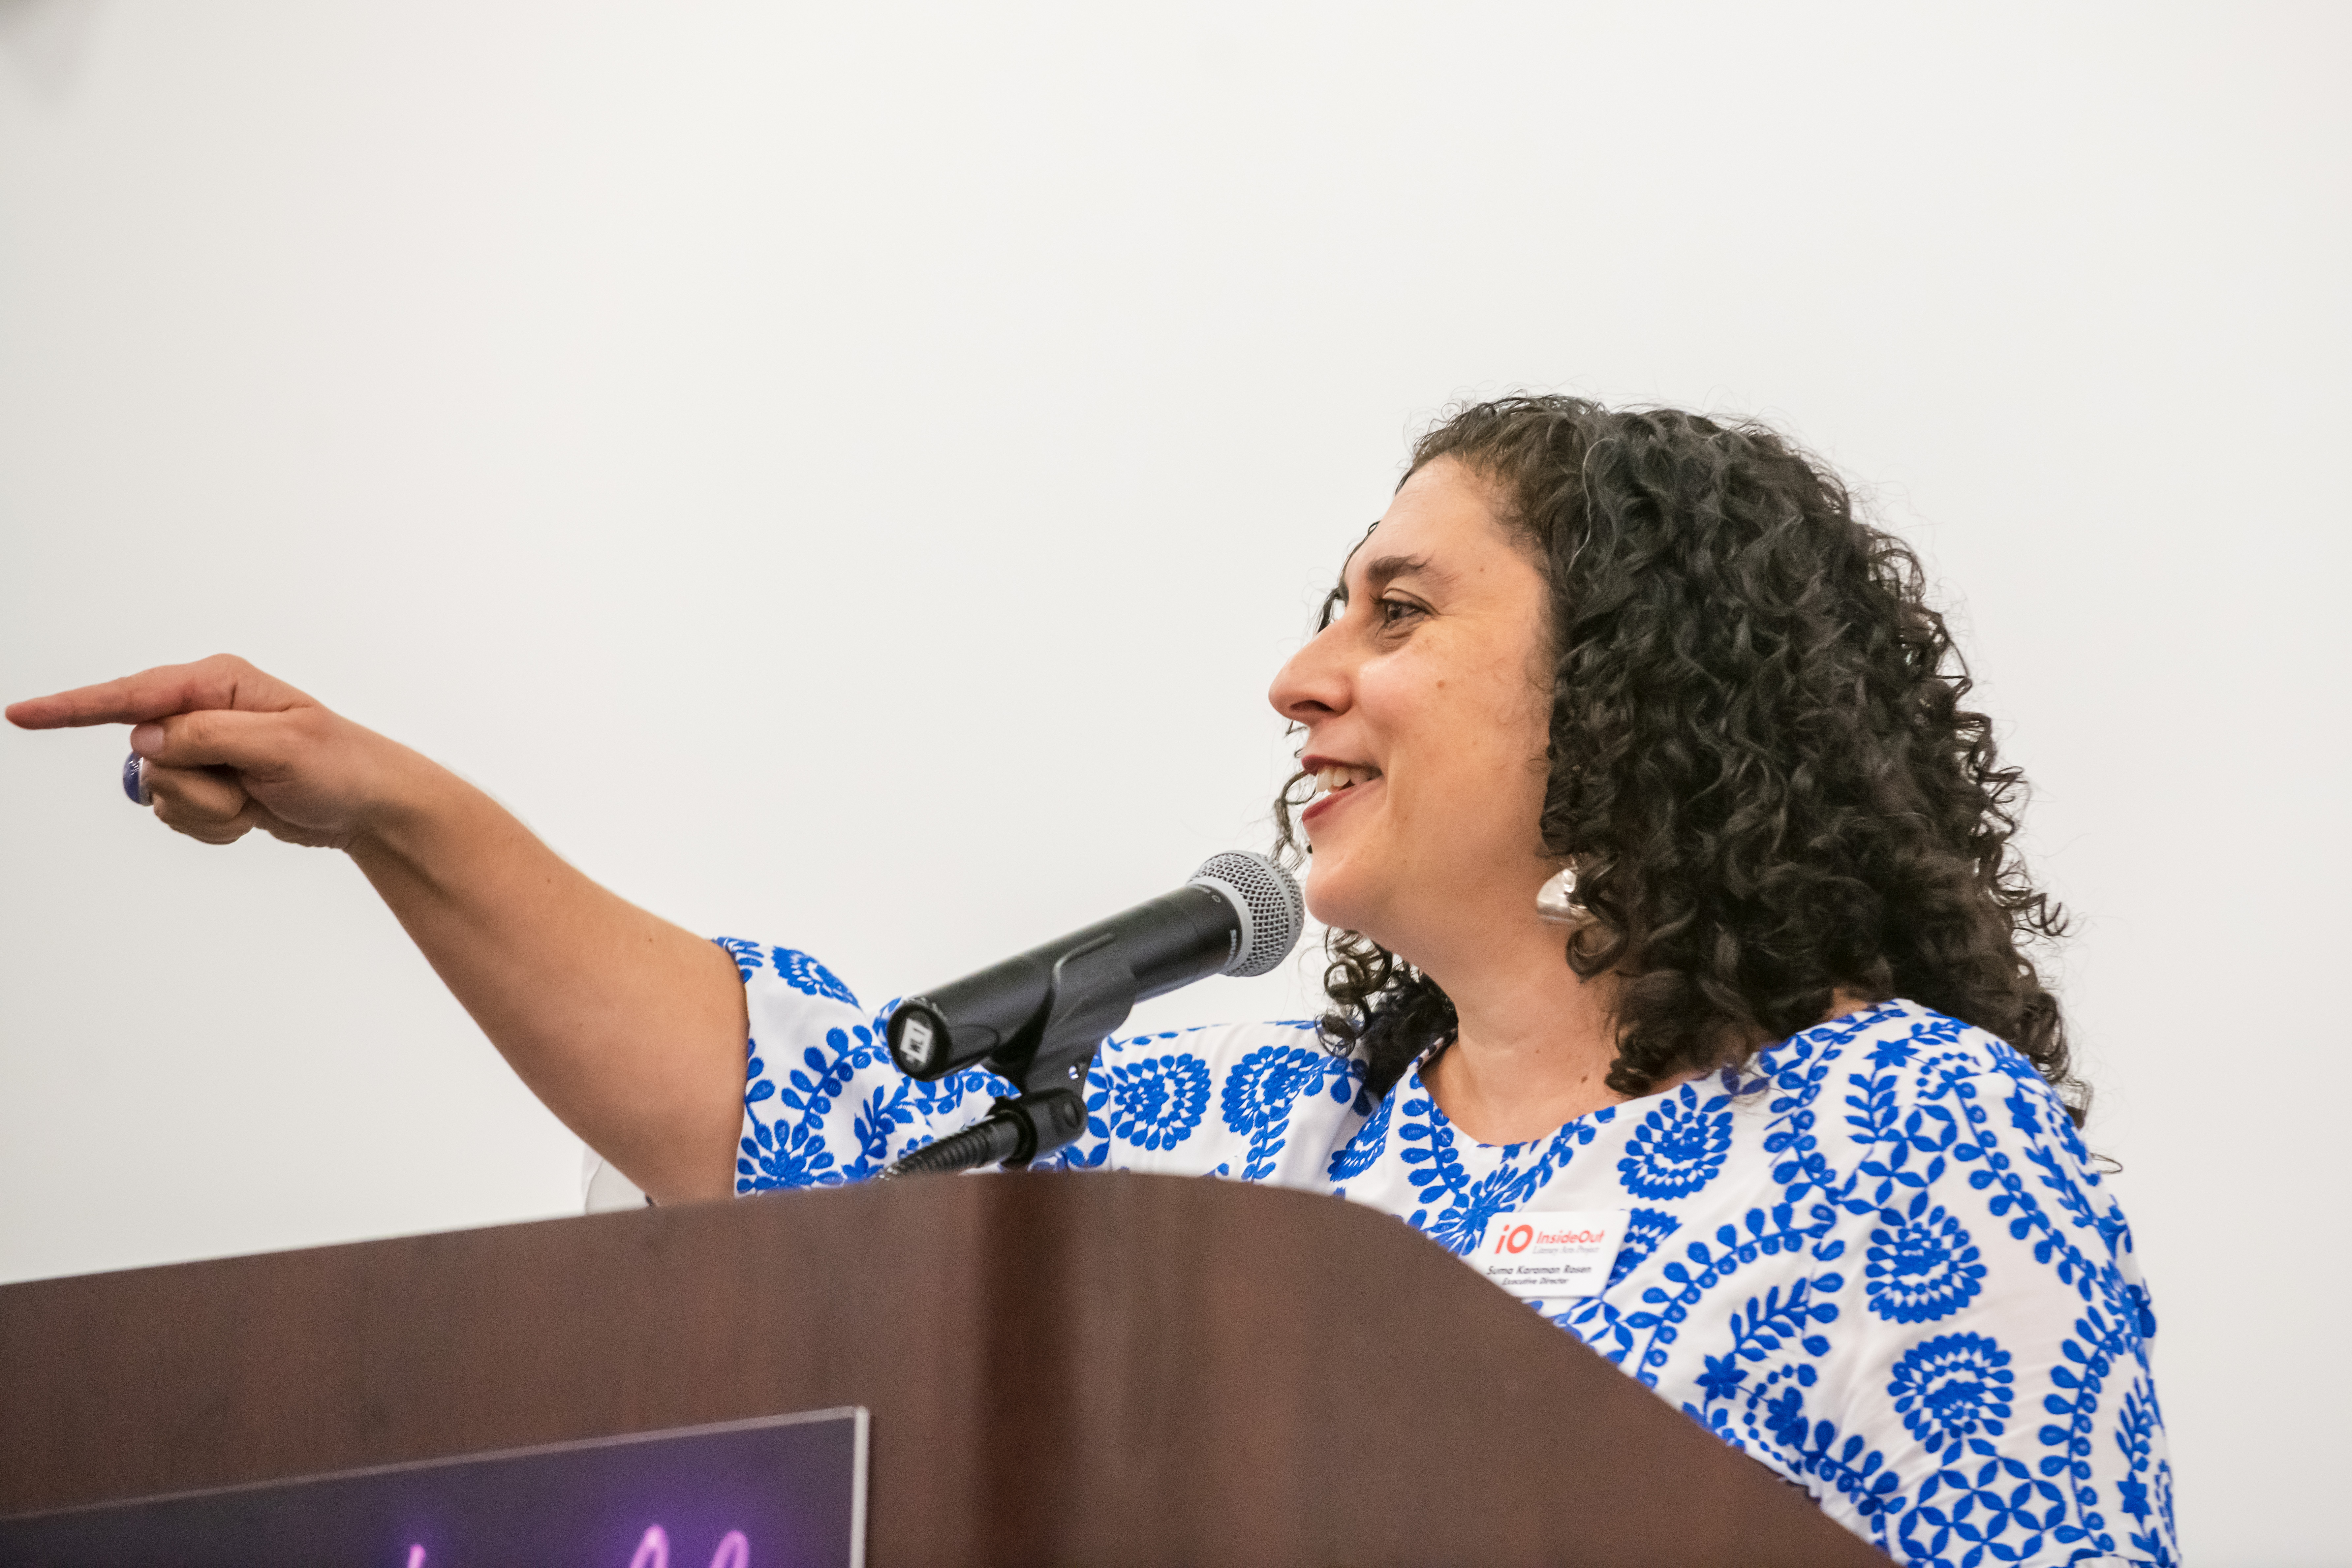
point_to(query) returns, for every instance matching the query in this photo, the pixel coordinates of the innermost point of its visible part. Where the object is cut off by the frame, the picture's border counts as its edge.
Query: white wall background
(835, 469)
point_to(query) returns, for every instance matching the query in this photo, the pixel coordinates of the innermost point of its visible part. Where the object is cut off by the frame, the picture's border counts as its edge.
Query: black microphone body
(1000, 1012)
(1036, 1018)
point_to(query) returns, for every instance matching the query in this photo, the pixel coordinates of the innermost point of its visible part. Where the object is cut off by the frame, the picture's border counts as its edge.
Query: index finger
(220, 682)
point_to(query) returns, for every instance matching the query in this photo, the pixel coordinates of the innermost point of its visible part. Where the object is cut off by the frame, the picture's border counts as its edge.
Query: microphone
(1036, 1018)
(1240, 914)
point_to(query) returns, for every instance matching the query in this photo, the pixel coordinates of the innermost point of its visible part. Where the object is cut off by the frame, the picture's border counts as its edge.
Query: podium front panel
(1098, 1368)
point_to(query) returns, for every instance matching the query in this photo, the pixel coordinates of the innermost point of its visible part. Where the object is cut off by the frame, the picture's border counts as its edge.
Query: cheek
(1479, 721)
(1466, 751)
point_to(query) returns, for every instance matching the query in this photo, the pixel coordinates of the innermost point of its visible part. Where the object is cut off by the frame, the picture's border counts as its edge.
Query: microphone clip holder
(1092, 992)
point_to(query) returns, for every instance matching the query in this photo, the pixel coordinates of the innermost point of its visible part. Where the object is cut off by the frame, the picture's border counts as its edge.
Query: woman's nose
(1314, 684)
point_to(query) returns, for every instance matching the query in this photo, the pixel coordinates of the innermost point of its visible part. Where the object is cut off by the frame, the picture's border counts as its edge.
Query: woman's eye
(1394, 612)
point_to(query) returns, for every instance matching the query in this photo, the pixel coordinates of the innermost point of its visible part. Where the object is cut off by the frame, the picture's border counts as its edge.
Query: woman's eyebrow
(1383, 569)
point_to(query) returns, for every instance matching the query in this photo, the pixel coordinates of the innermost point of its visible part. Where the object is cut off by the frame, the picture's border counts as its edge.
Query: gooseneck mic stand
(1091, 989)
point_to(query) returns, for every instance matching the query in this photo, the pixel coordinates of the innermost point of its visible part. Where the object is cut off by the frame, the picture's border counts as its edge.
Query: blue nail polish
(134, 781)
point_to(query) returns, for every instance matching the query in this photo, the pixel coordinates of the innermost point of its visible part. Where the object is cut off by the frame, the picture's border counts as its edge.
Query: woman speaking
(1667, 877)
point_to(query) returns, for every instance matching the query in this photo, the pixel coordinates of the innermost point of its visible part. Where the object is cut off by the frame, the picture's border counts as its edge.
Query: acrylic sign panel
(788, 1491)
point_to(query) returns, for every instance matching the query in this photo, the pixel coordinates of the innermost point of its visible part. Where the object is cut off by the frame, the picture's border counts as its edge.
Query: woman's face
(1428, 702)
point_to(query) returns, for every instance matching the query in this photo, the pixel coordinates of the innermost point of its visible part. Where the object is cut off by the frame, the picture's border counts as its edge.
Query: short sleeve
(822, 1102)
(2006, 1378)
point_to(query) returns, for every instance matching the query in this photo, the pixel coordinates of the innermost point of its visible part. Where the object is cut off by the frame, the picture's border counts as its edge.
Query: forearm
(629, 1029)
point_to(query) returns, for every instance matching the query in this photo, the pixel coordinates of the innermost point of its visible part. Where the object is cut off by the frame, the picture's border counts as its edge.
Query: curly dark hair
(1761, 769)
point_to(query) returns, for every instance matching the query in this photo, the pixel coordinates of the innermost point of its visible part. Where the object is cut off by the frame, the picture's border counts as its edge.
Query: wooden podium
(1097, 1369)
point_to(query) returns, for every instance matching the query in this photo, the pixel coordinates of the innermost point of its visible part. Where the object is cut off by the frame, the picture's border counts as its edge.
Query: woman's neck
(1534, 1044)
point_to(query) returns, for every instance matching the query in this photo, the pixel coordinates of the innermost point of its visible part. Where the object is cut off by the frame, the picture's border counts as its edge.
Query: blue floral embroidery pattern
(1680, 1147)
(1644, 1230)
(1952, 1389)
(782, 1155)
(801, 973)
(1922, 1265)
(1455, 1207)
(1462, 1225)
(746, 954)
(1363, 1151)
(1258, 1096)
(1876, 1257)
(1156, 1103)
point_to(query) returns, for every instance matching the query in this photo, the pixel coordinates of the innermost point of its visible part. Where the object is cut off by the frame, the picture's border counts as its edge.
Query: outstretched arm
(629, 1029)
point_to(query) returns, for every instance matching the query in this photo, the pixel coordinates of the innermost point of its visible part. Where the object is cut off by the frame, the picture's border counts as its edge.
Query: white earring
(1556, 899)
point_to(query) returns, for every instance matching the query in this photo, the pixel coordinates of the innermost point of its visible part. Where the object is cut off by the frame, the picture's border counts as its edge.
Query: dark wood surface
(1094, 1369)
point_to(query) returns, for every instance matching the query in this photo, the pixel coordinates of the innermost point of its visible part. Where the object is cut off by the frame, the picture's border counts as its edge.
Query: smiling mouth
(1334, 781)
(1333, 777)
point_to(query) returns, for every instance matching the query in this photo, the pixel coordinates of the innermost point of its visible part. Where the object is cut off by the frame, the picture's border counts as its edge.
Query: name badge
(1551, 1257)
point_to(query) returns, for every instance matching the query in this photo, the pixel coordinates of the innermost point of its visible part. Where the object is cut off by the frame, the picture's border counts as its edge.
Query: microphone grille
(1273, 909)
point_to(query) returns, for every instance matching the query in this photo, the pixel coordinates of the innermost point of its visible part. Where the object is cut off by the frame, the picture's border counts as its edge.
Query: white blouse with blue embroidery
(1876, 1259)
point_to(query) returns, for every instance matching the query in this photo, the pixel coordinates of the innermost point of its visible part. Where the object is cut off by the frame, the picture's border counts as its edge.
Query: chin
(1337, 899)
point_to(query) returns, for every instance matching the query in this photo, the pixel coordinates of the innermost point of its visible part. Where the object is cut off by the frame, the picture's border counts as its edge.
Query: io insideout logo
(1550, 1256)
(1520, 1237)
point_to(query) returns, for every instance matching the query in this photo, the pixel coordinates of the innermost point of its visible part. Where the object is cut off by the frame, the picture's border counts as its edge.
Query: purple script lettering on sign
(653, 1551)
(797, 1482)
